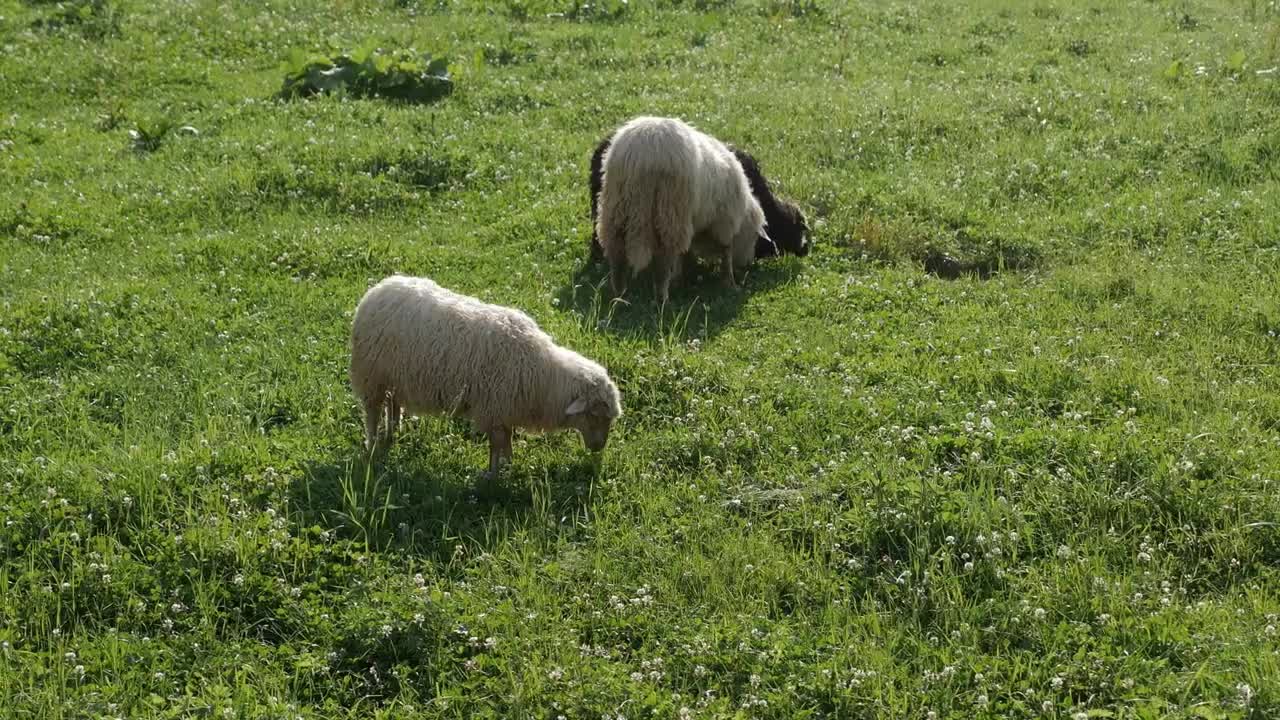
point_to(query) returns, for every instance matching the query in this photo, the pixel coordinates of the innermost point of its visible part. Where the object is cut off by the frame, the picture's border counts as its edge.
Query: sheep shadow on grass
(428, 497)
(699, 306)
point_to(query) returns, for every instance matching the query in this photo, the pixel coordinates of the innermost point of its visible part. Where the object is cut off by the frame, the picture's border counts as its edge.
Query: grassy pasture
(1044, 486)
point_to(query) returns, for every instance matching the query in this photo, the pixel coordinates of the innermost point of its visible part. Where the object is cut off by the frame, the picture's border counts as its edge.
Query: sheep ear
(576, 407)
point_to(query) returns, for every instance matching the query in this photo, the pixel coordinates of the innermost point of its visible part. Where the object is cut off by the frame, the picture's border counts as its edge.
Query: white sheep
(422, 348)
(665, 184)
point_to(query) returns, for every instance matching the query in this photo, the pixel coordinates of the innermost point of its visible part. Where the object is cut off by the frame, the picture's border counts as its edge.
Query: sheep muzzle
(595, 439)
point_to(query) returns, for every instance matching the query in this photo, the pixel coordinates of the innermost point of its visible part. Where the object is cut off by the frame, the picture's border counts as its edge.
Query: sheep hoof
(489, 483)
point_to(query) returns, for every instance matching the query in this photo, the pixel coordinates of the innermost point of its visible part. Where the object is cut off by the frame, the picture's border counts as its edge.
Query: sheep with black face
(788, 232)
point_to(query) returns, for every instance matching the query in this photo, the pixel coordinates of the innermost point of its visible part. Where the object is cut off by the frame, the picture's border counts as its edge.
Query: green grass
(852, 490)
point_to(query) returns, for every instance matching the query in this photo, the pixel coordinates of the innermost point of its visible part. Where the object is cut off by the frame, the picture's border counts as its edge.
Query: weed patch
(93, 19)
(369, 72)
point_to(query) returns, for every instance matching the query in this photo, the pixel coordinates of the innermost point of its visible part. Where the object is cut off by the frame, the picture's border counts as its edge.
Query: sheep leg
(393, 419)
(616, 257)
(372, 419)
(726, 268)
(618, 278)
(618, 281)
(499, 450)
(665, 268)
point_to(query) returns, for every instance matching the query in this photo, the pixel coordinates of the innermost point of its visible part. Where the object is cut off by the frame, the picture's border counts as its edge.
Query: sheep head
(592, 414)
(787, 232)
(785, 226)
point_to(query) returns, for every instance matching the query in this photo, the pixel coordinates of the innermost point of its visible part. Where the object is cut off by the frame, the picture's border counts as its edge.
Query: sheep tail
(670, 216)
(626, 226)
(648, 215)
(641, 239)
(617, 220)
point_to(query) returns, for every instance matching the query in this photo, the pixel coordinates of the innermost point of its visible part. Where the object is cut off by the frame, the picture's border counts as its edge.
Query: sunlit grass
(1006, 444)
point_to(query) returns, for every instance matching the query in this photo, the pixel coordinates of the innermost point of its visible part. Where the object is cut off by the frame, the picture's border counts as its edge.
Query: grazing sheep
(785, 223)
(422, 348)
(665, 183)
